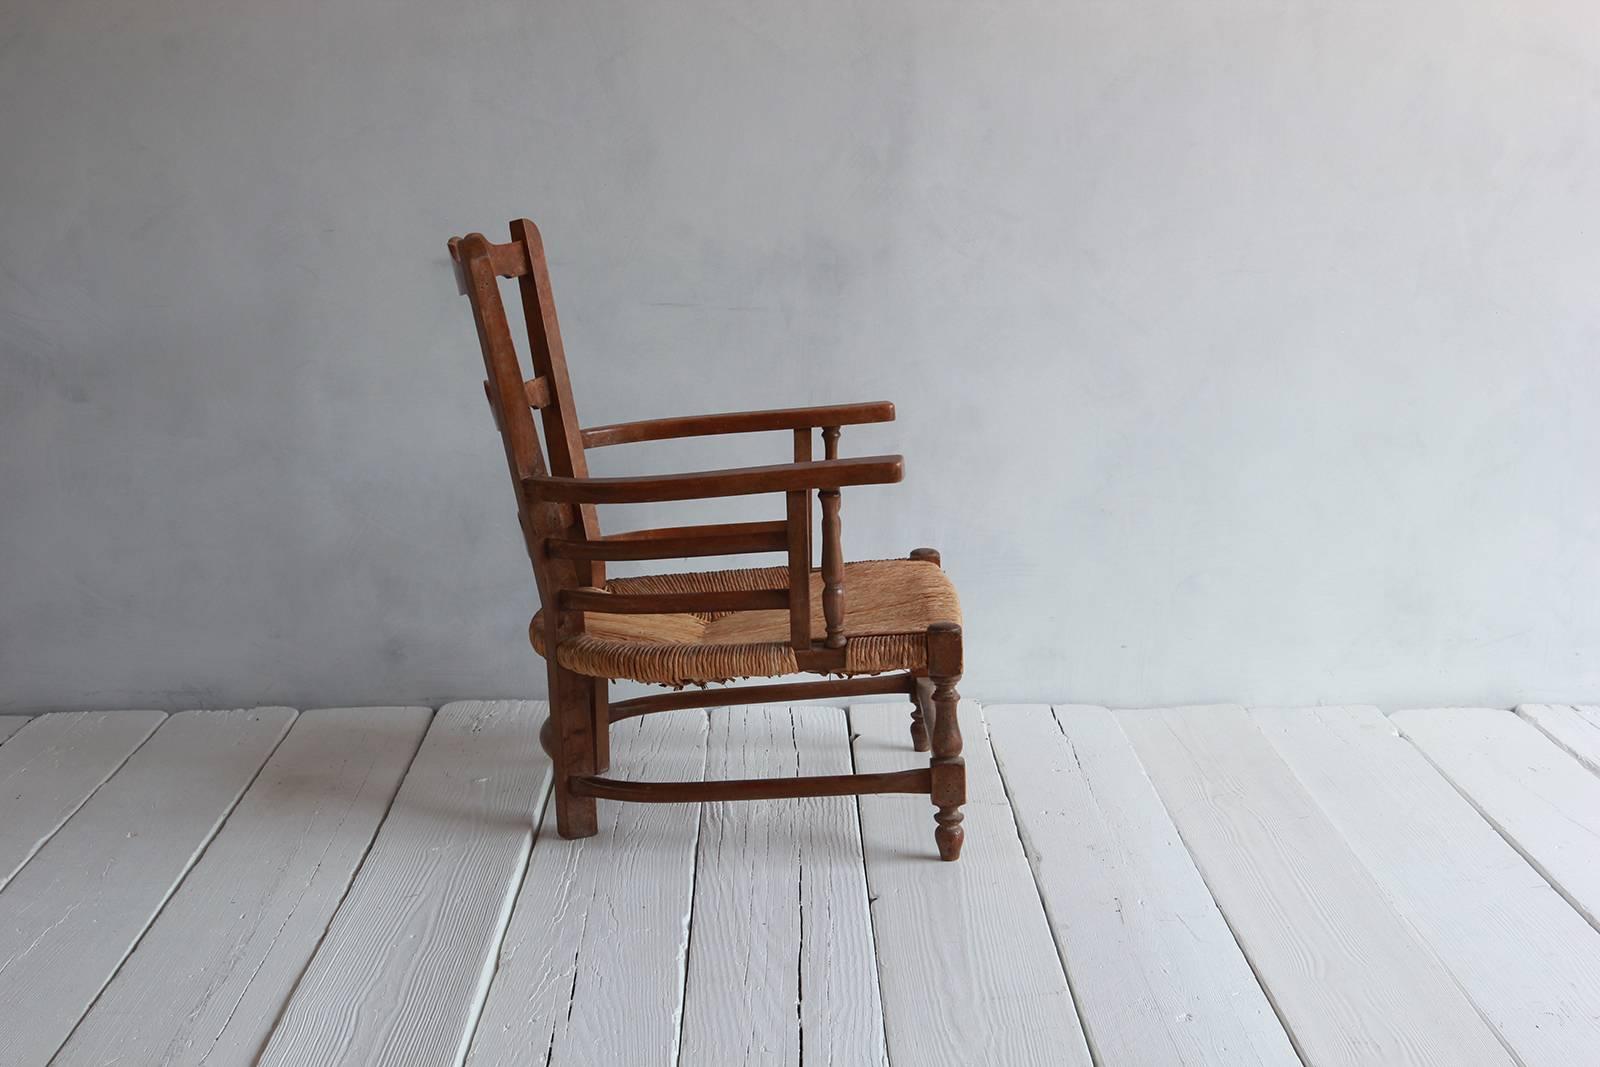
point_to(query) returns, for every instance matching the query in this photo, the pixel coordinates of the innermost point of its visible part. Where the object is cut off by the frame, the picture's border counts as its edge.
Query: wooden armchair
(885, 626)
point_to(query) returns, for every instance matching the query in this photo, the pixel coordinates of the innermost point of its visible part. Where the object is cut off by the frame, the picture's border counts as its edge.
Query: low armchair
(871, 627)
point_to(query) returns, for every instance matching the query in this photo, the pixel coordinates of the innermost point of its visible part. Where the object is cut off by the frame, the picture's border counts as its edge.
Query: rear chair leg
(573, 710)
(949, 790)
(921, 703)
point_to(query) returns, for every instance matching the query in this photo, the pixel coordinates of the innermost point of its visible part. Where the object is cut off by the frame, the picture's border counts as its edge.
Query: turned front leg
(949, 790)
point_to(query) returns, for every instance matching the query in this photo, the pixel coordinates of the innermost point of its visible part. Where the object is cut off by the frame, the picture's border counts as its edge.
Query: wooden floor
(1207, 885)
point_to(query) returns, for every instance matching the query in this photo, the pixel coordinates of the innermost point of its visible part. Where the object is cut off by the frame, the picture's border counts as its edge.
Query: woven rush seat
(889, 605)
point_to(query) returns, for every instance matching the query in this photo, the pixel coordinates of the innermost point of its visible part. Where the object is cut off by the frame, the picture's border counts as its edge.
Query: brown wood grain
(556, 508)
(677, 542)
(822, 785)
(621, 433)
(763, 694)
(705, 485)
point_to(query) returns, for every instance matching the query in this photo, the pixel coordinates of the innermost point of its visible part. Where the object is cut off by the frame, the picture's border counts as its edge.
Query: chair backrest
(513, 398)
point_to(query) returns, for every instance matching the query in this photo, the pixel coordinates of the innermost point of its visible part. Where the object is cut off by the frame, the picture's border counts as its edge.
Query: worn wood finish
(921, 714)
(576, 753)
(577, 703)
(677, 542)
(590, 971)
(706, 485)
(1157, 975)
(819, 659)
(799, 980)
(832, 569)
(966, 966)
(506, 260)
(826, 785)
(563, 437)
(537, 392)
(512, 416)
(49, 769)
(834, 415)
(949, 785)
(1541, 799)
(600, 722)
(210, 978)
(1576, 730)
(399, 976)
(797, 507)
(832, 550)
(763, 694)
(556, 503)
(922, 696)
(75, 911)
(1348, 975)
(1527, 960)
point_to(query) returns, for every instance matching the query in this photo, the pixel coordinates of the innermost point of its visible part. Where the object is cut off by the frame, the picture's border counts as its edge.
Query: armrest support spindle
(832, 551)
(798, 506)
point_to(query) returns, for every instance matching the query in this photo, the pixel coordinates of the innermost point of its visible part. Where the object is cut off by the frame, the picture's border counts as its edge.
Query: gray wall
(1244, 350)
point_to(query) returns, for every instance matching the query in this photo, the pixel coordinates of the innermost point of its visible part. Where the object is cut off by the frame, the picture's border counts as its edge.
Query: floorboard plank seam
(1194, 861)
(1395, 905)
(800, 904)
(79, 807)
(1563, 743)
(172, 889)
(1505, 835)
(491, 961)
(851, 736)
(345, 893)
(1030, 853)
(688, 919)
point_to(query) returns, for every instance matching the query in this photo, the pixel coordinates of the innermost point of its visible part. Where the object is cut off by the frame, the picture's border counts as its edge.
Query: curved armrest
(623, 433)
(736, 481)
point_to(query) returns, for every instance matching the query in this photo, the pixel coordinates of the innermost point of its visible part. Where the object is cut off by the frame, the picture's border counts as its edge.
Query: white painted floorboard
(968, 971)
(1382, 916)
(1351, 980)
(50, 768)
(774, 875)
(1525, 958)
(10, 724)
(591, 969)
(1156, 973)
(399, 977)
(208, 981)
(1575, 729)
(72, 914)
(1541, 799)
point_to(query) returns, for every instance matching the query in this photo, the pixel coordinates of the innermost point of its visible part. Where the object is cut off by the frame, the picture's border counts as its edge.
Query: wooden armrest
(674, 542)
(736, 481)
(623, 433)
